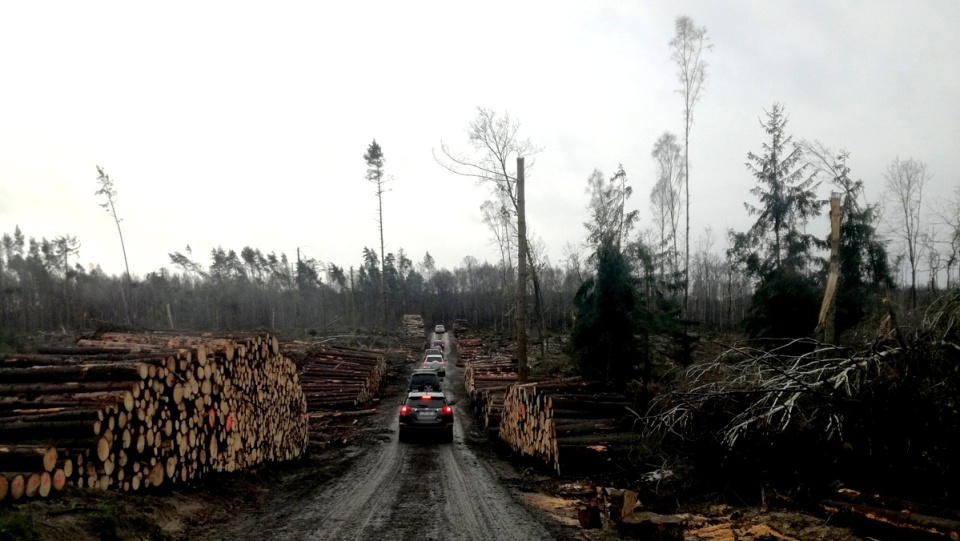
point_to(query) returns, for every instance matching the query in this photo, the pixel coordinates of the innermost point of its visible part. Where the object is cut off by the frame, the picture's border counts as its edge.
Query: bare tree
(905, 182)
(607, 208)
(687, 46)
(497, 152)
(496, 216)
(948, 212)
(666, 199)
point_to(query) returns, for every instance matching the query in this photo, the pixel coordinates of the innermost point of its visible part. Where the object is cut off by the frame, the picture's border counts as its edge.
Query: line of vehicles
(426, 408)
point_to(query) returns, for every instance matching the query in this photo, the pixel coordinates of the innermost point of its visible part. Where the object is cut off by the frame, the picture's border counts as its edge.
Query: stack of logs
(337, 377)
(468, 349)
(487, 381)
(414, 335)
(129, 411)
(569, 424)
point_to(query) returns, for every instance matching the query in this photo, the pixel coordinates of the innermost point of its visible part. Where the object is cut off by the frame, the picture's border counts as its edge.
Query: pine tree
(776, 251)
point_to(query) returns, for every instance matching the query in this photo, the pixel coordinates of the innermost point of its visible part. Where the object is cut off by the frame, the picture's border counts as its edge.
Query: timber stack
(413, 337)
(131, 411)
(335, 377)
(487, 381)
(468, 349)
(569, 424)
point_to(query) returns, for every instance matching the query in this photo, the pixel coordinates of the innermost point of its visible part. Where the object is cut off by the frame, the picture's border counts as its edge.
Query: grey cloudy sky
(244, 124)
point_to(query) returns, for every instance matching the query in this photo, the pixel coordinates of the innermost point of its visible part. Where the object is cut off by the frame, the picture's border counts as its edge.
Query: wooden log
(27, 458)
(116, 371)
(653, 526)
(611, 438)
(50, 415)
(59, 480)
(46, 431)
(19, 390)
(32, 481)
(913, 523)
(16, 484)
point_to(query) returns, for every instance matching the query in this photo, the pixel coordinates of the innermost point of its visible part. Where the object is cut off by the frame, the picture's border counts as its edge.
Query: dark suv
(424, 380)
(426, 413)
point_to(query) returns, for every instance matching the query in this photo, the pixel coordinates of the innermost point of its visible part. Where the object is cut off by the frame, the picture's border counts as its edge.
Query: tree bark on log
(27, 458)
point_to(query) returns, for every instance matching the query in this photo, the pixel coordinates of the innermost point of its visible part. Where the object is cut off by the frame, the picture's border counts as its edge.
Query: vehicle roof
(424, 371)
(432, 355)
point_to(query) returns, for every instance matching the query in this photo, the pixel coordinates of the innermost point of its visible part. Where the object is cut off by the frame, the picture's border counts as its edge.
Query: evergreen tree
(776, 251)
(604, 334)
(375, 161)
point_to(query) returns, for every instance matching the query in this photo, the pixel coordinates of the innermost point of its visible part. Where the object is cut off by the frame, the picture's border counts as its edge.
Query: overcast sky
(238, 124)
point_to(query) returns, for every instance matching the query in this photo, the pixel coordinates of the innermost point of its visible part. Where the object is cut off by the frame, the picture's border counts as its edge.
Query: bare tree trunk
(523, 368)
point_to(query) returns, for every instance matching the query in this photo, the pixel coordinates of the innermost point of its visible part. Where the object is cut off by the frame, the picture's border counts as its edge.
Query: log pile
(568, 424)
(468, 349)
(130, 411)
(335, 377)
(414, 335)
(486, 382)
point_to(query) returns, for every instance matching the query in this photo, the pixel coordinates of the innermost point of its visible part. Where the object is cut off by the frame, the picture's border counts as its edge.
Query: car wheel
(403, 436)
(449, 435)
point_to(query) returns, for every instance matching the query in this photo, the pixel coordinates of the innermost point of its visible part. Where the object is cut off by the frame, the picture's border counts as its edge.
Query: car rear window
(420, 379)
(423, 403)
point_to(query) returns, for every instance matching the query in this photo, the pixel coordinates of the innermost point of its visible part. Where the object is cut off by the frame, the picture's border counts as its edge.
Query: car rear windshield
(425, 403)
(434, 359)
(422, 379)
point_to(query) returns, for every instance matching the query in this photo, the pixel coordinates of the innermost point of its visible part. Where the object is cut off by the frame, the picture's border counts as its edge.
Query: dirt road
(388, 490)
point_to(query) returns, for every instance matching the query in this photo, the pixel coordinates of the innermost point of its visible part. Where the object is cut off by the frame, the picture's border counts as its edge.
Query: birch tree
(687, 47)
(906, 180)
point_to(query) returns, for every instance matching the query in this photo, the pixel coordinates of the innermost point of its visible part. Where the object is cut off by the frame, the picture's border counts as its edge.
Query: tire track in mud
(401, 491)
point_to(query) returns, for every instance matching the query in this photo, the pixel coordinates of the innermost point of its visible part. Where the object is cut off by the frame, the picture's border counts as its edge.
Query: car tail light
(447, 410)
(404, 410)
(425, 397)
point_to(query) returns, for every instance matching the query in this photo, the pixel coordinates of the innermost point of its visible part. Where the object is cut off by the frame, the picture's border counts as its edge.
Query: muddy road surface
(387, 490)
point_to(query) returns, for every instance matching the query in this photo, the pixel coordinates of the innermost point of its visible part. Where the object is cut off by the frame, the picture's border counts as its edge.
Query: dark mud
(380, 489)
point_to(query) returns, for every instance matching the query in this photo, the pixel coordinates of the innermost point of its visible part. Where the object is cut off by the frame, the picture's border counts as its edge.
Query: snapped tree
(864, 268)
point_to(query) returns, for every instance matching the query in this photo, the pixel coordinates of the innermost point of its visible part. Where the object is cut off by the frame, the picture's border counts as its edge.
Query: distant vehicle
(432, 351)
(424, 413)
(437, 343)
(439, 329)
(424, 381)
(436, 362)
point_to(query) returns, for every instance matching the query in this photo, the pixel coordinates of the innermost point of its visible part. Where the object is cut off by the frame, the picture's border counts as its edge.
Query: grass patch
(11, 342)
(16, 526)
